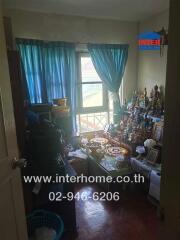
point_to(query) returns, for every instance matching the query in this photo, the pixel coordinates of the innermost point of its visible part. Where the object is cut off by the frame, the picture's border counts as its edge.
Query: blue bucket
(41, 218)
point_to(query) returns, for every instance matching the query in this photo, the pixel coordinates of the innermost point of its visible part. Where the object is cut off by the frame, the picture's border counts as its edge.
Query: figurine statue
(156, 92)
(146, 99)
(145, 93)
(155, 105)
(134, 99)
(156, 100)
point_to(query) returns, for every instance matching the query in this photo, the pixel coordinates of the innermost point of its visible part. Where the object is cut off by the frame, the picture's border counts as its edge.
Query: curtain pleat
(50, 72)
(110, 61)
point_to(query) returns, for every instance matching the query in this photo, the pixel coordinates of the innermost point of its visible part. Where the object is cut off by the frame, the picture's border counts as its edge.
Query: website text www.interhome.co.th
(136, 178)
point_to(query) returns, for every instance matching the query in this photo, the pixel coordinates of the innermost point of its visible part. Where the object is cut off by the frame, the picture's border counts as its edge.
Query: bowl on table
(93, 146)
(102, 141)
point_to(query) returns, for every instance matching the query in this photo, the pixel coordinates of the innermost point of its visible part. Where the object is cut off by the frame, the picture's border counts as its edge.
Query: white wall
(151, 66)
(144, 69)
(79, 29)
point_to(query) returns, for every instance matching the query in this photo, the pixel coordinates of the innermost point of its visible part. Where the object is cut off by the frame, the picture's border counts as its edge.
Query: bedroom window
(92, 97)
(95, 104)
(92, 94)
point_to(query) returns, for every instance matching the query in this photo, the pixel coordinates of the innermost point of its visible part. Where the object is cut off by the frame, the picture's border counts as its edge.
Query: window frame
(96, 109)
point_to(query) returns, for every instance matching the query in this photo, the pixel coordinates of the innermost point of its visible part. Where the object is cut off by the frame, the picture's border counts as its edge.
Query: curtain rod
(83, 43)
(76, 43)
(97, 43)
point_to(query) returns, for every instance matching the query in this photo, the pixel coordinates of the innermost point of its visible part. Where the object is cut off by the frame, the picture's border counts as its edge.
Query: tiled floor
(132, 218)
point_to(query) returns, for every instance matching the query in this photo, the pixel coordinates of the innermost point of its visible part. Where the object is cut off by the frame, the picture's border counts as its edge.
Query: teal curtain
(31, 53)
(110, 61)
(50, 71)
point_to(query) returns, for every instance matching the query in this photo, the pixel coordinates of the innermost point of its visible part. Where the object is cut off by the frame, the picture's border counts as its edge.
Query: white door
(12, 215)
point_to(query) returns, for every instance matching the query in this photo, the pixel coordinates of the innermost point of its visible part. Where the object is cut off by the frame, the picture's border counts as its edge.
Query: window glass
(92, 95)
(88, 72)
